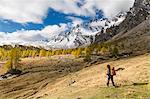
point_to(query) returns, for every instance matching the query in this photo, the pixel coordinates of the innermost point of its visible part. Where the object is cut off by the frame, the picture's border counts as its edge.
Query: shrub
(87, 58)
(14, 72)
(115, 51)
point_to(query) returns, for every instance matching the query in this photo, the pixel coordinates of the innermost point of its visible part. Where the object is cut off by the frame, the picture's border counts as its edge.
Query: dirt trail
(65, 78)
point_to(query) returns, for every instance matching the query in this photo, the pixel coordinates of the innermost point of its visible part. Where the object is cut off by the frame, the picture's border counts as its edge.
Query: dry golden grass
(37, 74)
(64, 78)
(91, 81)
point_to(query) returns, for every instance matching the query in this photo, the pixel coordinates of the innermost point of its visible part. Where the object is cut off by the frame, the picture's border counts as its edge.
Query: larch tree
(14, 59)
(42, 53)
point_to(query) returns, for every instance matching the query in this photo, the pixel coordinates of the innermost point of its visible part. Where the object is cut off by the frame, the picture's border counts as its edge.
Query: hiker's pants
(110, 77)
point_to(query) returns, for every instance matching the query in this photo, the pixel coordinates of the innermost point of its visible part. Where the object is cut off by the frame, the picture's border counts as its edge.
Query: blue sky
(27, 20)
(53, 18)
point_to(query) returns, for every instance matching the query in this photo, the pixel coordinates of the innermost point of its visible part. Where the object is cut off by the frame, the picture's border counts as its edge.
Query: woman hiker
(110, 73)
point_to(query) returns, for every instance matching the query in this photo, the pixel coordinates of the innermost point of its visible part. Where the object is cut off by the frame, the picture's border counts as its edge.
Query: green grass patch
(127, 92)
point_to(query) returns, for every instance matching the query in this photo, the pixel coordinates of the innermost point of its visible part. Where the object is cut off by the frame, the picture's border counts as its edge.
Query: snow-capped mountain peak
(84, 34)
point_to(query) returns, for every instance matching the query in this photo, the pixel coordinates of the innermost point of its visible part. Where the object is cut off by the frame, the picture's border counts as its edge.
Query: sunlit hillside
(65, 77)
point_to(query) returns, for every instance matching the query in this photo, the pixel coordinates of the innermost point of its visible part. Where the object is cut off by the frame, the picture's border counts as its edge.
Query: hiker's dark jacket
(111, 72)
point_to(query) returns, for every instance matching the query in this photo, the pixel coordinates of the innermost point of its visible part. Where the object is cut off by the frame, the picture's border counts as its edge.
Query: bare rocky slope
(133, 34)
(137, 40)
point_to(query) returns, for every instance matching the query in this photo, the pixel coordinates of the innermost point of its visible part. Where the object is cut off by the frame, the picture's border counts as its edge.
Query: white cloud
(52, 30)
(23, 11)
(113, 7)
(31, 36)
(75, 20)
(109, 7)
(66, 6)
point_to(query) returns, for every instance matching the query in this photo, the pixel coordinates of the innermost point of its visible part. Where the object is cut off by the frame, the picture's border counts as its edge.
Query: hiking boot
(107, 85)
